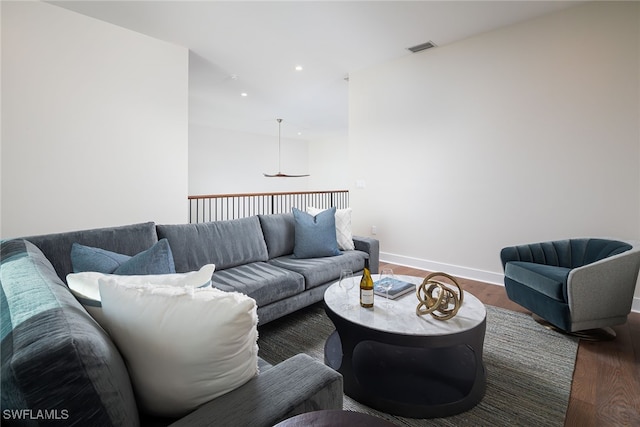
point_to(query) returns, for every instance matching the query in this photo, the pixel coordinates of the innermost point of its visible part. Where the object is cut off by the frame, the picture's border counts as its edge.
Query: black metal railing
(217, 207)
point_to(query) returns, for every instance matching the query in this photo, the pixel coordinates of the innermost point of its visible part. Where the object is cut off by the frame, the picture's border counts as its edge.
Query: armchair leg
(599, 334)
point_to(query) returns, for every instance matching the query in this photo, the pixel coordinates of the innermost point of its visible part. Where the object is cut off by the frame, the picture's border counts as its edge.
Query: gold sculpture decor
(442, 305)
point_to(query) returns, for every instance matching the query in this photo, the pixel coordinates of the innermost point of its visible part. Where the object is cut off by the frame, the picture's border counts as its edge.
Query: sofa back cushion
(223, 243)
(279, 233)
(128, 240)
(55, 357)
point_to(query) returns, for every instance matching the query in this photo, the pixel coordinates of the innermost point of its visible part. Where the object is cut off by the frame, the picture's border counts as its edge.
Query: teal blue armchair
(574, 284)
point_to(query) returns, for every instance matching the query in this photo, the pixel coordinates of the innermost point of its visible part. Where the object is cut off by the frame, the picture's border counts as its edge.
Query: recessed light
(298, 67)
(244, 94)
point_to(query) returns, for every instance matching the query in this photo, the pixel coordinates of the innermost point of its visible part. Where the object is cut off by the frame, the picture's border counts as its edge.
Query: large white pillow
(344, 234)
(183, 346)
(85, 285)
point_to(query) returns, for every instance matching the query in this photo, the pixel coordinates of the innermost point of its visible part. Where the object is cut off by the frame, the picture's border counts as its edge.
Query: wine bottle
(366, 286)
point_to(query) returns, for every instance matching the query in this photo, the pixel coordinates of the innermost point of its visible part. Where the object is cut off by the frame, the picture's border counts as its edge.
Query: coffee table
(403, 364)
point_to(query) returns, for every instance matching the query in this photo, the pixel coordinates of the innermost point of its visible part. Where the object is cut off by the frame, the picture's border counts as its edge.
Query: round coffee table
(403, 364)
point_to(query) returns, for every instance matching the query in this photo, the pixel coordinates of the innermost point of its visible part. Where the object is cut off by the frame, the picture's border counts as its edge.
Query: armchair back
(568, 253)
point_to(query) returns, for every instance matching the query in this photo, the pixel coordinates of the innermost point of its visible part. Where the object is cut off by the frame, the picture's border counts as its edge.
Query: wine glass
(386, 283)
(347, 283)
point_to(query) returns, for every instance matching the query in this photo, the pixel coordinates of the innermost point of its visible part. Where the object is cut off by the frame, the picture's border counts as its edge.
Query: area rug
(529, 368)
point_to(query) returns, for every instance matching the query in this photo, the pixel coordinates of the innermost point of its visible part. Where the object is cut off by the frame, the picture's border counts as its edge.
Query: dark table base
(416, 377)
(334, 418)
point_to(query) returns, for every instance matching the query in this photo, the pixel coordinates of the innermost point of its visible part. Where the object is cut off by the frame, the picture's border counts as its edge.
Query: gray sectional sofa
(255, 256)
(60, 367)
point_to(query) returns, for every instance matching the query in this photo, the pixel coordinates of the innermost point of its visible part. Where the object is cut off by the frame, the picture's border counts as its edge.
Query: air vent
(421, 47)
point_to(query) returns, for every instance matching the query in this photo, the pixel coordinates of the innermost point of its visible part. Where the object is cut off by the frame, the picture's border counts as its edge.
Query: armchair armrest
(508, 254)
(603, 289)
(297, 385)
(370, 246)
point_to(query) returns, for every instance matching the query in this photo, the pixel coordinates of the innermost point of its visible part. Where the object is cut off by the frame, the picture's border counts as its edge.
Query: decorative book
(398, 288)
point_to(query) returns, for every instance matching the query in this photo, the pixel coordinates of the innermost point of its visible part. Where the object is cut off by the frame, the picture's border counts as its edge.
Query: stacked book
(398, 287)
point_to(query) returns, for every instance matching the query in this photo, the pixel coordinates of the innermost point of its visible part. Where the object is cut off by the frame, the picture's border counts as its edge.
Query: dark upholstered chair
(574, 284)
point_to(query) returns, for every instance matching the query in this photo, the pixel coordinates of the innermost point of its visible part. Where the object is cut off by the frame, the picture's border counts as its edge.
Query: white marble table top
(401, 318)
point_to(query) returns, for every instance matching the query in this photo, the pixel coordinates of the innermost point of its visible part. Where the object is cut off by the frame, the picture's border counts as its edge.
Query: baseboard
(460, 271)
(454, 270)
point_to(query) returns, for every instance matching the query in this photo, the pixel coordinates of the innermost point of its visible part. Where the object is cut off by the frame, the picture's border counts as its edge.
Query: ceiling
(253, 48)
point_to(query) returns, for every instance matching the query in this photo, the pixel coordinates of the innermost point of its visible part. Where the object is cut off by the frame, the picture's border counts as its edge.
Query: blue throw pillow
(315, 236)
(158, 259)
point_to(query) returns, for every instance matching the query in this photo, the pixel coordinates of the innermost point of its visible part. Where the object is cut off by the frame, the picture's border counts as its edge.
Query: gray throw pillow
(315, 236)
(158, 259)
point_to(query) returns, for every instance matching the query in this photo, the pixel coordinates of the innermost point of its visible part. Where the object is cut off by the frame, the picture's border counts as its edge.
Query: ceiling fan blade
(283, 175)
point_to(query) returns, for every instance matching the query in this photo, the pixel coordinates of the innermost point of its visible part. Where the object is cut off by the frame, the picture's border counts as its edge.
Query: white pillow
(183, 346)
(85, 285)
(343, 227)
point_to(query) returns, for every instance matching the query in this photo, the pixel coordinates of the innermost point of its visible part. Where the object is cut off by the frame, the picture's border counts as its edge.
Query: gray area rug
(529, 368)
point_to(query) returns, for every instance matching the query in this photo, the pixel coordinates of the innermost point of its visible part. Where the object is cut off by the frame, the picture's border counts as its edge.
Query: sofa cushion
(315, 236)
(84, 286)
(54, 355)
(317, 271)
(183, 346)
(546, 279)
(158, 259)
(128, 240)
(261, 281)
(344, 235)
(279, 233)
(223, 243)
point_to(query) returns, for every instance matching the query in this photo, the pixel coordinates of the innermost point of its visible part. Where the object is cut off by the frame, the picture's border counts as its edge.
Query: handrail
(217, 207)
(212, 196)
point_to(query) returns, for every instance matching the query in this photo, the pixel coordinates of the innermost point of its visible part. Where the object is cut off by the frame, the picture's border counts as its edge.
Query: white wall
(225, 161)
(94, 123)
(329, 163)
(523, 134)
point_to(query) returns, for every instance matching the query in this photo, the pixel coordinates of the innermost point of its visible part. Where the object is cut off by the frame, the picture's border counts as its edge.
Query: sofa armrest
(297, 385)
(603, 289)
(370, 246)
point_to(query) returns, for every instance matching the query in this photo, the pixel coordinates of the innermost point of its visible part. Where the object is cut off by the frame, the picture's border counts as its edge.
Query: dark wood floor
(606, 381)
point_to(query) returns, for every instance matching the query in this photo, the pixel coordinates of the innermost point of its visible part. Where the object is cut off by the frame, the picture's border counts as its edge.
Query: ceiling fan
(280, 174)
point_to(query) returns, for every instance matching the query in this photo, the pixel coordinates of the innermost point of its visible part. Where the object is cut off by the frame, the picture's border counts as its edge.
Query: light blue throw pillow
(158, 259)
(315, 236)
